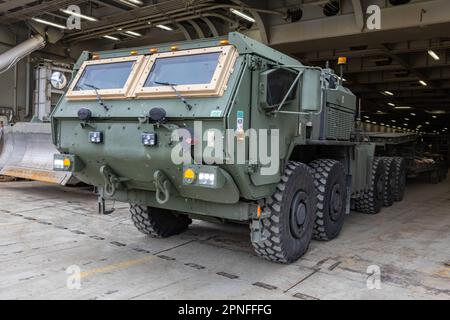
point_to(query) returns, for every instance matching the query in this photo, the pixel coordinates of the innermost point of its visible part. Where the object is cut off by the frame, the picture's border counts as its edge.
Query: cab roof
(243, 44)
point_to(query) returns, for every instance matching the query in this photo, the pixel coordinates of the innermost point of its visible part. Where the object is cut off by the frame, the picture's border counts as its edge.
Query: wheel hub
(335, 202)
(298, 214)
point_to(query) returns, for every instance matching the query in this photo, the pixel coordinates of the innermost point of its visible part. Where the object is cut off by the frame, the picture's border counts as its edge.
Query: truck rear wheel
(158, 223)
(400, 178)
(390, 181)
(288, 231)
(329, 179)
(372, 200)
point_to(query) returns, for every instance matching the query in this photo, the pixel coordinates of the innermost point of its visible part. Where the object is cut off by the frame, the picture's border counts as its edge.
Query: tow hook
(257, 225)
(112, 181)
(162, 186)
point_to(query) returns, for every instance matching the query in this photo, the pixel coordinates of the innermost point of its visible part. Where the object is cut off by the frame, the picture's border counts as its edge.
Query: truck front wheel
(158, 223)
(287, 233)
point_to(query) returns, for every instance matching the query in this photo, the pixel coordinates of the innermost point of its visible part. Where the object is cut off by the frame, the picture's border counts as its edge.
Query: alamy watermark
(73, 281)
(74, 20)
(374, 17)
(213, 146)
(374, 277)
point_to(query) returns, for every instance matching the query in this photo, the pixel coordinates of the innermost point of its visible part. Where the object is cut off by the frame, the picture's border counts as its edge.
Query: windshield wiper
(99, 97)
(172, 85)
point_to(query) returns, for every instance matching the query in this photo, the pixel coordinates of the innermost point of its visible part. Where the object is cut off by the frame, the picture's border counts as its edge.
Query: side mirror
(311, 89)
(274, 84)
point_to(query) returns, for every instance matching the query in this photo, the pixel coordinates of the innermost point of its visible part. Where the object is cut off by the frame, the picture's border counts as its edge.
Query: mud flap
(26, 151)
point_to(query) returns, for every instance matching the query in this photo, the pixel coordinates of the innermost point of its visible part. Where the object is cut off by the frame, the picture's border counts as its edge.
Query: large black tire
(372, 200)
(158, 223)
(288, 231)
(400, 178)
(390, 181)
(329, 179)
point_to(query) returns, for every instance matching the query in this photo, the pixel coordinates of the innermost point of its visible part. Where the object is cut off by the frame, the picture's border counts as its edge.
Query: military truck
(130, 114)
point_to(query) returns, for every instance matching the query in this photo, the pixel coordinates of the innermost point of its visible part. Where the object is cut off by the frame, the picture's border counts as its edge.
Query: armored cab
(219, 129)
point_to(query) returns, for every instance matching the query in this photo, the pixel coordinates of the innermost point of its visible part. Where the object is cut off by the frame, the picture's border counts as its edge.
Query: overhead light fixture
(413, 114)
(242, 15)
(56, 25)
(406, 119)
(76, 14)
(111, 38)
(402, 107)
(394, 121)
(132, 3)
(433, 55)
(388, 93)
(434, 117)
(164, 27)
(427, 122)
(391, 104)
(133, 33)
(423, 83)
(367, 117)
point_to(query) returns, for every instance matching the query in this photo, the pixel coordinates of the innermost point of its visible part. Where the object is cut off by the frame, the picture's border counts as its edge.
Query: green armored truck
(222, 129)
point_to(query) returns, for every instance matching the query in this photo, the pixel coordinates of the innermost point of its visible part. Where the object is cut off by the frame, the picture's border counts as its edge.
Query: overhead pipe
(28, 88)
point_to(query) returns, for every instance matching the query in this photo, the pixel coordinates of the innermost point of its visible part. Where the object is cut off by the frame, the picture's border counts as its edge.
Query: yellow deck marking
(116, 266)
(444, 272)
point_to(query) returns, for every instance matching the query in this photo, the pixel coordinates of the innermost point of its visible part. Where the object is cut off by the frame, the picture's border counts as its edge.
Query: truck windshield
(184, 70)
(105, 76)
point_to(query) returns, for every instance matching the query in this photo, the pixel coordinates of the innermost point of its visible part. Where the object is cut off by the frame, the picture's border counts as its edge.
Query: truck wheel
(288, 231)
(158, 223)
(400, 178)
(372, 200)
(329, 179)
(389, 181)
